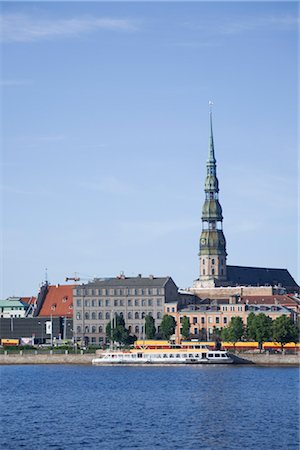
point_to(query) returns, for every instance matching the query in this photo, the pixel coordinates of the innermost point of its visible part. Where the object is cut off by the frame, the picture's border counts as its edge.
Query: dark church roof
(261, 276)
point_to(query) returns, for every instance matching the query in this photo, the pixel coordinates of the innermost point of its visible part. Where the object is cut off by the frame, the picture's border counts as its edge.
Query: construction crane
(76, 278)
(72, 279)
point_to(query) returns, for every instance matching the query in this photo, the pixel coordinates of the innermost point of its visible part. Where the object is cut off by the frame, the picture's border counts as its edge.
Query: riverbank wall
(47, 358)
(266, 359)
(263, 359)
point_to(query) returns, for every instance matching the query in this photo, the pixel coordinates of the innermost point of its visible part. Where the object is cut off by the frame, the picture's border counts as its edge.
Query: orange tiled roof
(28, 300)
(58, 301)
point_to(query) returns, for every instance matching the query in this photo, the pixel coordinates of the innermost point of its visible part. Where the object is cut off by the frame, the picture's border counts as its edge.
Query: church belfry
(212, 241)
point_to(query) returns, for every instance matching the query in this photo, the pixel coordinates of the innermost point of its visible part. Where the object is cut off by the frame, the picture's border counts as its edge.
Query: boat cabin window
(217, 355)
(139, 355)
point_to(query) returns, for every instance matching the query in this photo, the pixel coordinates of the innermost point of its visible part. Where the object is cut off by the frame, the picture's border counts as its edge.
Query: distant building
(216, 278)
(36, 328)
(208, 315)
(96, 303)
(13, 307)
(57, 301)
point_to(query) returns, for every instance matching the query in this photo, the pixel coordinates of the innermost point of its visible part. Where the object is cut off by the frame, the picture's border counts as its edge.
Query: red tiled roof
(269, 300)
(58, 302)
(28, 300)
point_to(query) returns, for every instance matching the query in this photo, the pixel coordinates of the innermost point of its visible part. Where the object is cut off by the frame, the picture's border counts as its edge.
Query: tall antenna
(46, 275)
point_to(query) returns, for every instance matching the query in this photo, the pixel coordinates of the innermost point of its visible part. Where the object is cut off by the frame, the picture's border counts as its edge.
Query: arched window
(213, 271)
(213, 261)
(136, 315)
(129, 315)
(121, 314)
(137, 329)
(93, 329)
(203, 271)
(107, 315)
(87, 329)
(143, 315)
(129, 329)
(158, 315)
(78, 316)
(100, 329)
(86, 316)
(78, 329)
(93, 316)
(100, 315)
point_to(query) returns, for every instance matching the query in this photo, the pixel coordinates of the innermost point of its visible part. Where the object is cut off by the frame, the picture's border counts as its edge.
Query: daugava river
(192, 407)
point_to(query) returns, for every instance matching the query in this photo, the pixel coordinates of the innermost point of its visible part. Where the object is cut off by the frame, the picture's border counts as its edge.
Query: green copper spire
(212, 241)
(211, 148)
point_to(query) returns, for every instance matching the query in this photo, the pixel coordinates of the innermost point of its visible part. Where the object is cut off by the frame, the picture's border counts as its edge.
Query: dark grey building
(95, 303)
(25, 327)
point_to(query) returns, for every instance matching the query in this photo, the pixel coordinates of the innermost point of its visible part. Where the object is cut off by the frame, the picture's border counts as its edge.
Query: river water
(190, 407)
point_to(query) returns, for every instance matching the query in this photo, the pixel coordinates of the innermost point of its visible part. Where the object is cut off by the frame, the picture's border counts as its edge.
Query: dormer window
(64, 299)
(53, 306)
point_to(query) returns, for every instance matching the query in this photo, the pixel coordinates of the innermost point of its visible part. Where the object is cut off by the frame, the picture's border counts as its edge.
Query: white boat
(163, 356)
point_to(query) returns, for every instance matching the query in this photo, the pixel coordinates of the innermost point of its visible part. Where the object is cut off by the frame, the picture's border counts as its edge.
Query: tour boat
(163, 356)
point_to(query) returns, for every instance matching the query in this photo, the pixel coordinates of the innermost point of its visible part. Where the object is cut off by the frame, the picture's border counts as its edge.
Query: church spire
(212, 241)
(211, 148)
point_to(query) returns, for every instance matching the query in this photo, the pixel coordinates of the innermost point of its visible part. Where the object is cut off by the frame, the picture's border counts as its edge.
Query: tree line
(260, 328)
(116, 330)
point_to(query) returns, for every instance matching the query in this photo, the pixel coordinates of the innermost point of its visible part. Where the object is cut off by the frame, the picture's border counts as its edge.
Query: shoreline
(86, 359)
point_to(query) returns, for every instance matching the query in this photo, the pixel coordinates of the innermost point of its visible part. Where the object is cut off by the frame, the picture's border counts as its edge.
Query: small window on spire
(213, 261)
(213, 271)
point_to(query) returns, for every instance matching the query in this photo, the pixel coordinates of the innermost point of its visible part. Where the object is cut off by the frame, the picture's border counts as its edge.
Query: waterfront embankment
(264, 359)
(46, 358)
(267, 359)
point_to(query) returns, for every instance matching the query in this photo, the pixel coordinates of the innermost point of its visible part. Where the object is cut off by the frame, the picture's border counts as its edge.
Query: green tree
(167, 326)
(251, 335)
(116, 331)
(262, 328)
(185, 330)
(234, 331)
(216, 336)
(150, 329)
(284, 330)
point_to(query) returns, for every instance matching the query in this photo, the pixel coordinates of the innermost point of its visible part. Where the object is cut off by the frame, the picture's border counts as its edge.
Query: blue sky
(105, 136)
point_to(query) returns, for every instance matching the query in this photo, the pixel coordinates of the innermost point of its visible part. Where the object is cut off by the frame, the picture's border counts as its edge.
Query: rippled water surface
(85, 407)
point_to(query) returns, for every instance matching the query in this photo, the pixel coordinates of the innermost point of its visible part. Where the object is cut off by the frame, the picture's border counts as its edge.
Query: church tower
(212, 241)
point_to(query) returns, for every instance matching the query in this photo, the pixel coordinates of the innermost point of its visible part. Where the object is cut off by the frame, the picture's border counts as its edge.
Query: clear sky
(105, 136)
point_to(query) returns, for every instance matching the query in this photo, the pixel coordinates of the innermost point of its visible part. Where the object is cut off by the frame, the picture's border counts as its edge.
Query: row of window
(108, 315)
(213, 272)
(196, 331)
(210, 320)
(233, 308)
(127, 291)
(100, 329)
(213, 261)
(119, 302)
